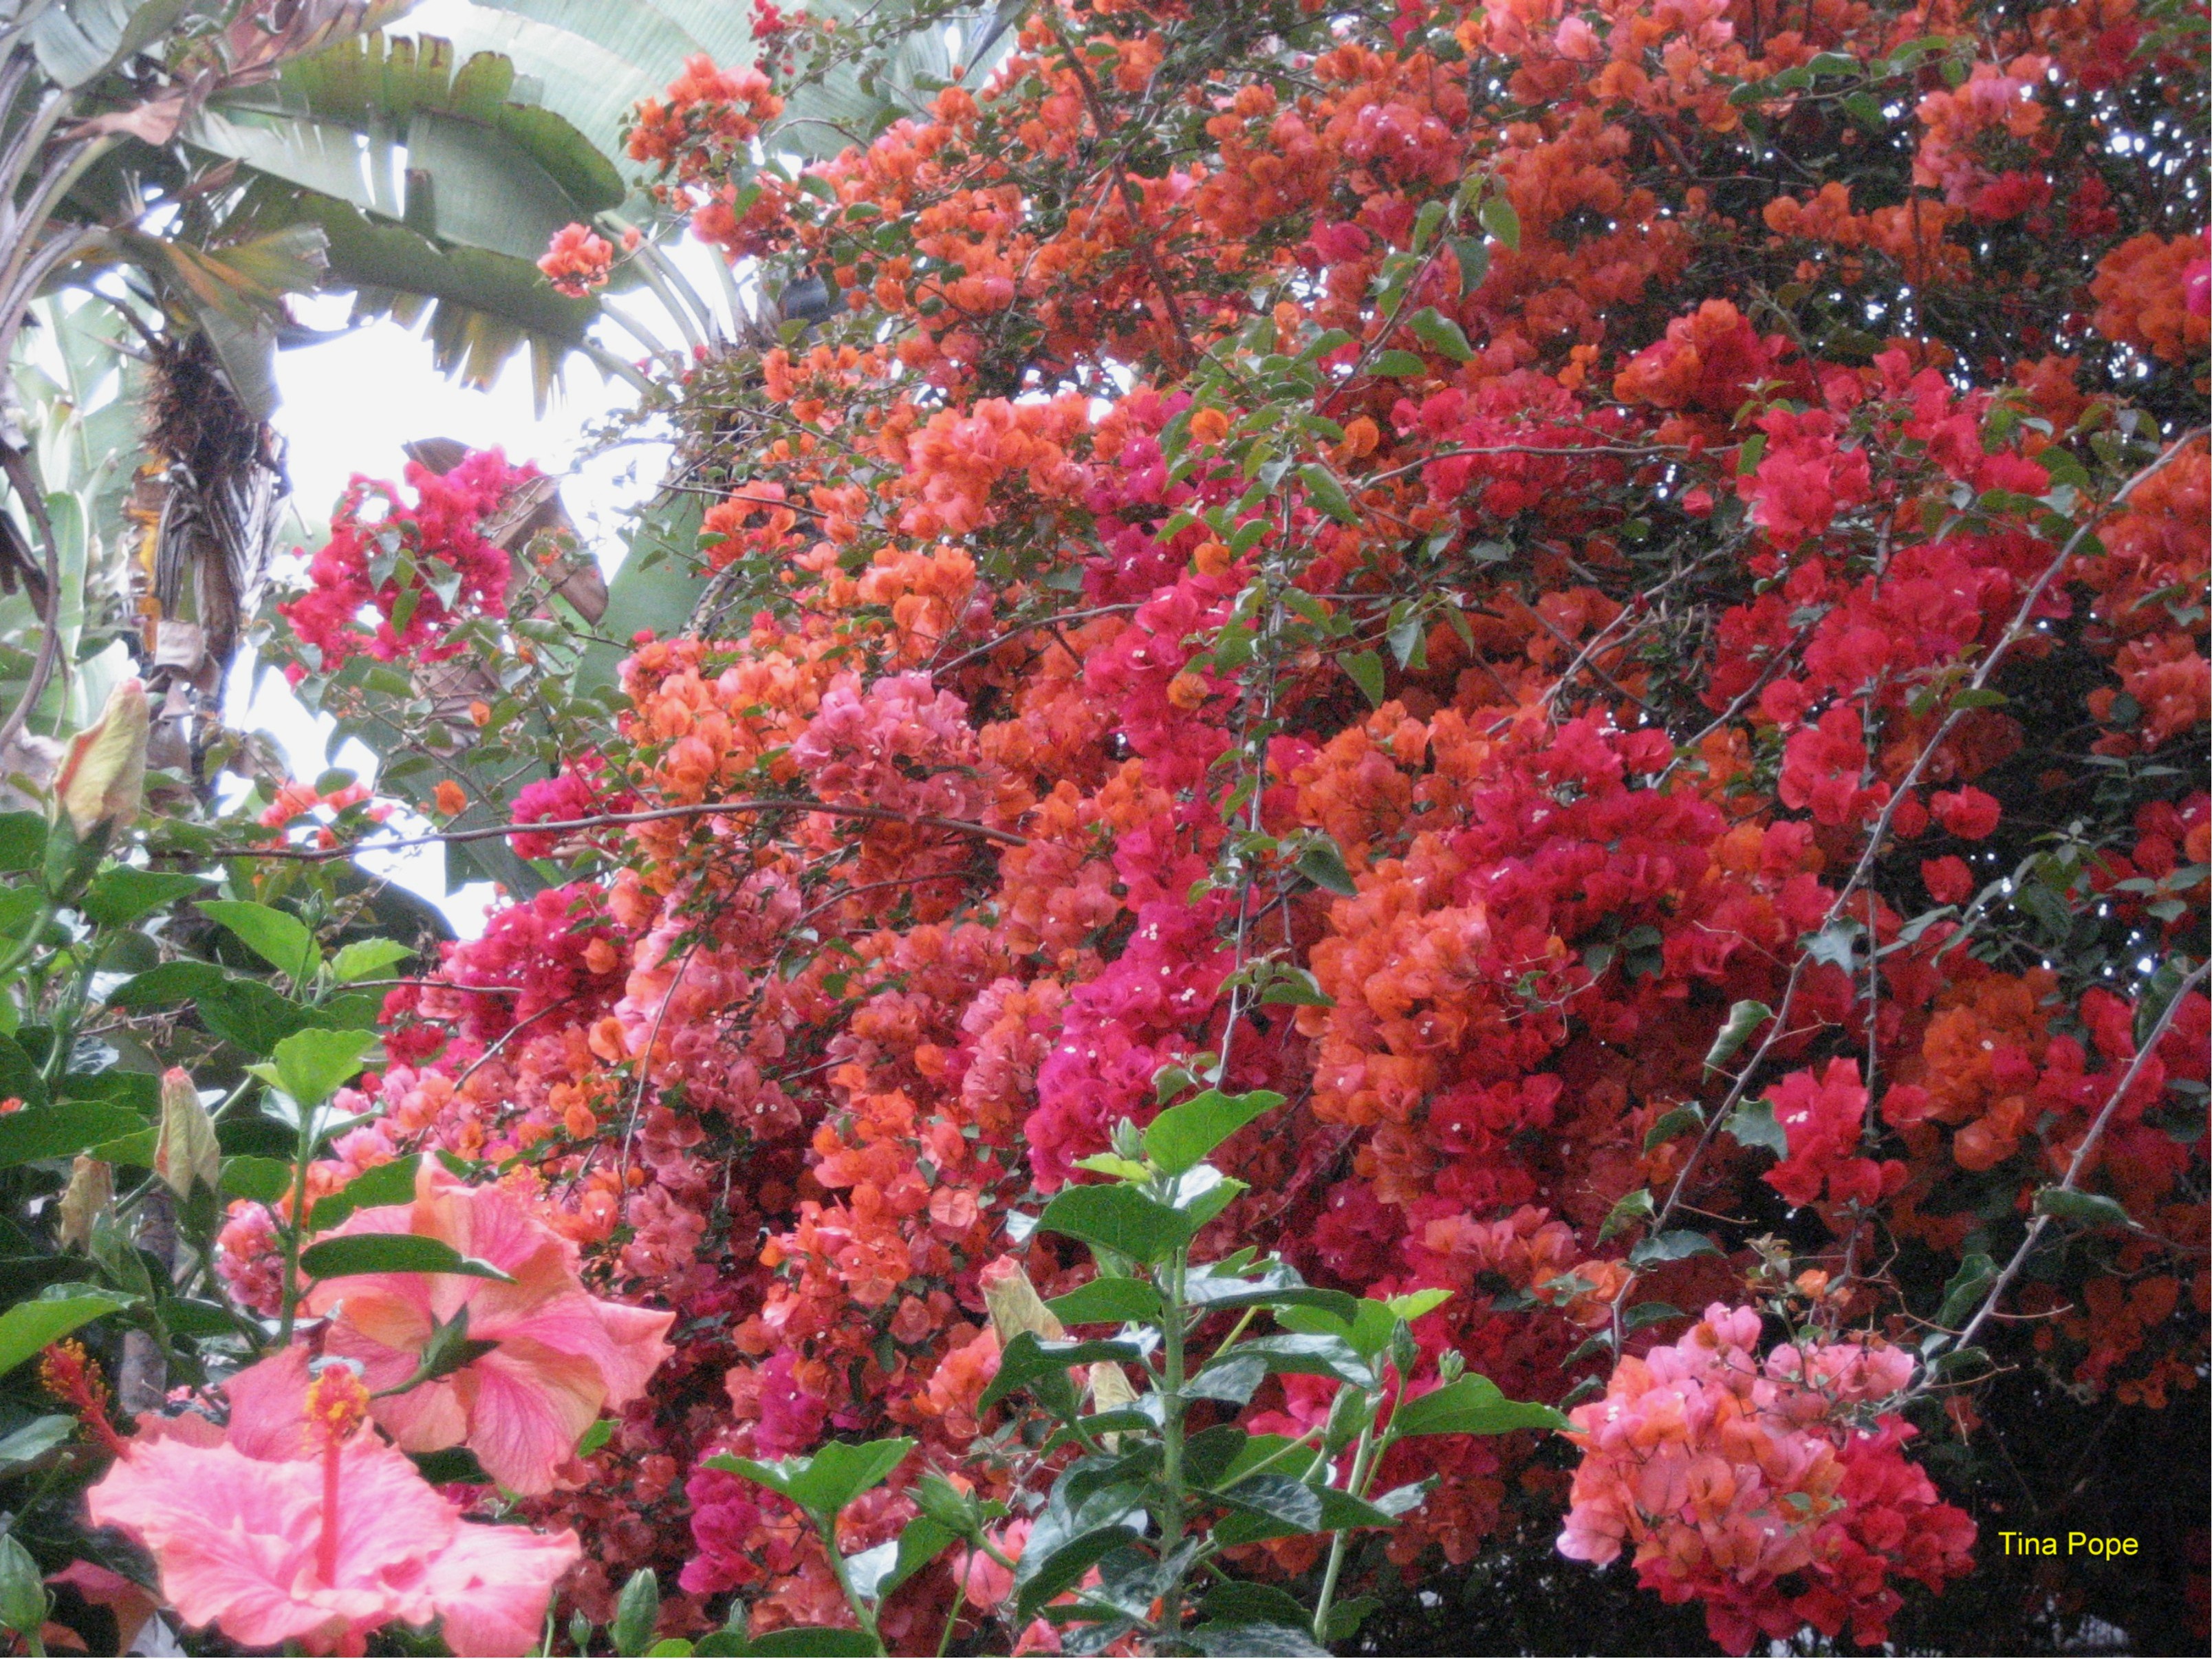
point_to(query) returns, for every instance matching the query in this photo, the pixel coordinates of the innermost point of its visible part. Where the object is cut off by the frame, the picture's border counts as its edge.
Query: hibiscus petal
(491, 1584)
(531, 1406)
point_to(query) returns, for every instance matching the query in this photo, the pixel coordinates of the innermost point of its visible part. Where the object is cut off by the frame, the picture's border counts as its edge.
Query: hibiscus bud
(104, 777)
(90, 1191)
(22, 1597)
(185, 1150)
(1014, 1304)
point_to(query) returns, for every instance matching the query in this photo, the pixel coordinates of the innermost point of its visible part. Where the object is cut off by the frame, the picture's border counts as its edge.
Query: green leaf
(365, 958)
(1029, 1356)
(1474, 1405)
(825, 1482)
(1439, 333)
(1500, 219)
(1226, 1640)
(1676, 1244)
(29, 1327)
(1043, 1573)
(1365, 668)
(1977, 1272)
(120, 896)
(313, 1065)
(22, 841)
(1287, 1503)
(888, 1565)
(385, 1183)
(62, 1131)
(172, 982)
(392, 1253)
(1310, 1355)
(1401, 365)
(1107, 1302)
(1180, 1138)
(20, 1080)
(78, 41)
(1327, 494)
(249, 1014)
(637, 1613)
(1752, 1124)
(804, 1642)
(2062, 1204)
(1743, 1019)
(1670, 1124)
(282, 941)
(34, 1440)
(1118, 1219)
(1242, 1603)
(1631, 1209)
(1339, 1512)
(1322, 864)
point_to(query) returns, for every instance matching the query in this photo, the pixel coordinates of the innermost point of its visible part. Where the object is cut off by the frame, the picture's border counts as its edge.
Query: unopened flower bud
(185, 1150)
(1014, 1304)
(103, 778)
(91, 1191)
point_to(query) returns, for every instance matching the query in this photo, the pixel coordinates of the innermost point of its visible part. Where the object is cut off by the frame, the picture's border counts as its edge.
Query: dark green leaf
(172, 982)
(1029, 1357)
(1670, 1124)
(22, 841)
(250, 1014)
(1676, 1244)
(1474, 1405)
(1117, 1218)
(1322, 864)
(1439, 333)
(20, 1078)
(804, 1642)
(62, 1131)
(1752, 1124)
(120, 896)
(1977, 1272)
(1242, 1603)
(392, 1253)
(1743, 1019)
(1311, 1356)
(1401, 365)
(1042, 1574)
(1365, 668)
(2092, 1209)
(1107, 1302)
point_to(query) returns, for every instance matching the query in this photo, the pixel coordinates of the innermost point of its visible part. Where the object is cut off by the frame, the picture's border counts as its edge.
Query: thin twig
(566, 826)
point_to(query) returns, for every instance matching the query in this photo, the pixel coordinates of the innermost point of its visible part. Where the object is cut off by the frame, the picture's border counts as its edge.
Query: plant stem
(299, 1222)
(861, 1610)
(1336, 1544)
(1171, 1419)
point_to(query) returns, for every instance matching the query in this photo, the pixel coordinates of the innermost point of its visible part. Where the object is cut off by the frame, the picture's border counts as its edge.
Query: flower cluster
(1509, 693)
(394, 582)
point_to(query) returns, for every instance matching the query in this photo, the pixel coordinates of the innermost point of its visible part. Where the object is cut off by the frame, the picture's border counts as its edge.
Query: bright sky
(348, 406)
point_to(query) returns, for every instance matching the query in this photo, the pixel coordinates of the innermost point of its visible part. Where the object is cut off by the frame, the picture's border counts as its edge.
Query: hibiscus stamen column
(337, 1405)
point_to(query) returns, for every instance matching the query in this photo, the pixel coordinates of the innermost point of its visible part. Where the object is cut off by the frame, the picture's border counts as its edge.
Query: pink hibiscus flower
(562, 1357)
(322, 1549)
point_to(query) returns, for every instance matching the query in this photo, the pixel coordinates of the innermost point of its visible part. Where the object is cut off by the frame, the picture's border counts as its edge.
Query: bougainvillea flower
(561, 1357)
(322, 1549)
